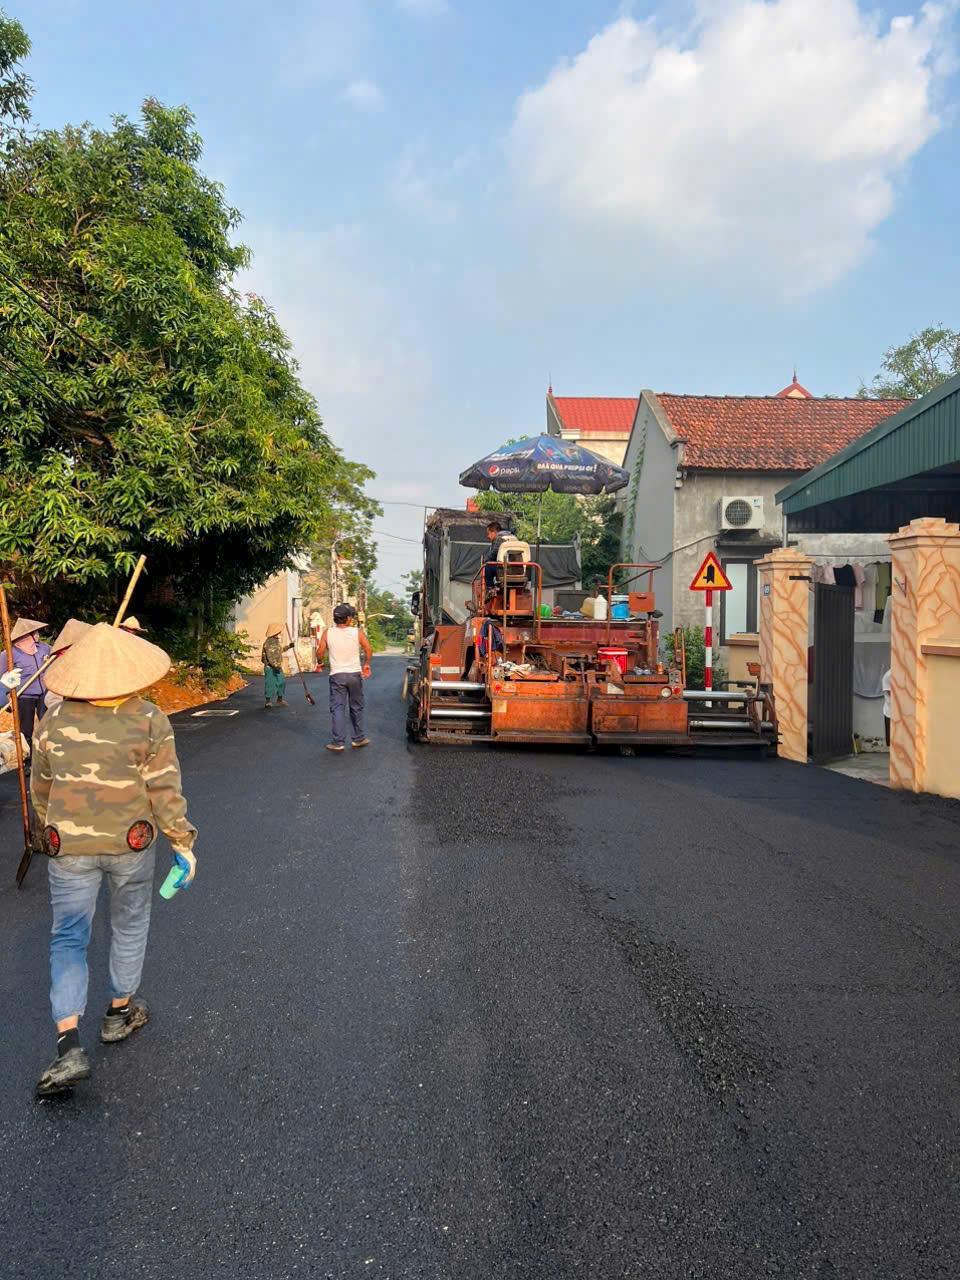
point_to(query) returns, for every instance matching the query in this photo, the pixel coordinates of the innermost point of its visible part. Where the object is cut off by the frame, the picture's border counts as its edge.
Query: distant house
(278, 600)
(705, 471)
(599, 423)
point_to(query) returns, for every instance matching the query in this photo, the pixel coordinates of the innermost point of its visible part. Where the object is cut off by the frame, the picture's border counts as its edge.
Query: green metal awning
(905, 468)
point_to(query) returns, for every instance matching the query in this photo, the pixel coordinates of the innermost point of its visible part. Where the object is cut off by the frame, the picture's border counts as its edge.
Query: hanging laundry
(870, 586)
(861, 578)
(844, 576)
(884, 571)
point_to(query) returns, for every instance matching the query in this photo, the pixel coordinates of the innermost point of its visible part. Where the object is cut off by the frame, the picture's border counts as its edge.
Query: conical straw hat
(107, 663)
(26, 627)
(73, 629)
(131, 624)
(274, 629)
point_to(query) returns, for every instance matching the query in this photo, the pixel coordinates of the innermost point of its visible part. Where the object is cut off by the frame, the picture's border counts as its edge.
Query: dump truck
(497, 664)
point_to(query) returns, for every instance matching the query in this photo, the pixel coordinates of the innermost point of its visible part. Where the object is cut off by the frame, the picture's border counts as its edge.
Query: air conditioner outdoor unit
(738, 512)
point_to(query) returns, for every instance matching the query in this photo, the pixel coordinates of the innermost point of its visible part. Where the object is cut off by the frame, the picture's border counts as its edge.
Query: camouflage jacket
(271, 655)
(107, 779)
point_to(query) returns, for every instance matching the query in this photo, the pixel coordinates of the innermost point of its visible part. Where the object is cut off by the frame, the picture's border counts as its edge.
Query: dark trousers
(886, 725)
(31, 710)
(346, 690)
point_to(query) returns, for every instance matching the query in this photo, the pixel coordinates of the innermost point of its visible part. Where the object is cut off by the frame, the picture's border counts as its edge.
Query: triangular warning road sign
(710, 576)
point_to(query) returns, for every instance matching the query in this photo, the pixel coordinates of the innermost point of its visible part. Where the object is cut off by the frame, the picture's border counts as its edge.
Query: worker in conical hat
(29, 655)
(271, 655)
(105, 784)
(69, 634)
(132, 626)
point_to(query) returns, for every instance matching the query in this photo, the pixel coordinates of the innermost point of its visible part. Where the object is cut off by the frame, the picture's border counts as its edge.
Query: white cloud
(351, 331)
(419, 192)
(423, 8)
(365, 95)
(768, 138)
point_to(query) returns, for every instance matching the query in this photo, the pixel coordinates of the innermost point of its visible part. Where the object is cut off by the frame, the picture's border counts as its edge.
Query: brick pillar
(925, 608)
(783, 606)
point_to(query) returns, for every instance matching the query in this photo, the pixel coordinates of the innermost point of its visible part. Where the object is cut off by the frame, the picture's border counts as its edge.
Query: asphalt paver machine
(511, 672)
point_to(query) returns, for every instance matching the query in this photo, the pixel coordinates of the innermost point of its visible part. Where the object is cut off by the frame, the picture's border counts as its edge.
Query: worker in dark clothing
(495, 536)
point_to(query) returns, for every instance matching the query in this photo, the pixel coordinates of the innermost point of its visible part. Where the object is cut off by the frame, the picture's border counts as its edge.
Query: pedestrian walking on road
(106, 781)
(271, 655)
(342, 643)
(29, 655)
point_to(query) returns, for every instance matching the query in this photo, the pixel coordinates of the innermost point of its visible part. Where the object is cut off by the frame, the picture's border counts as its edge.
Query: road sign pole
(708, 642)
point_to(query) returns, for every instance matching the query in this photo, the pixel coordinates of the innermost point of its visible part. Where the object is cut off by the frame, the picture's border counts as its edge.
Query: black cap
(344, 611)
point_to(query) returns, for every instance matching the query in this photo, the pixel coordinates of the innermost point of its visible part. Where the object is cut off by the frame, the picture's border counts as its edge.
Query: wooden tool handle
(22, 777)
(132, 583)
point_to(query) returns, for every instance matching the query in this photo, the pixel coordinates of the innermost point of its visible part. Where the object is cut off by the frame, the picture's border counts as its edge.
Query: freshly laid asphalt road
(437, 1013)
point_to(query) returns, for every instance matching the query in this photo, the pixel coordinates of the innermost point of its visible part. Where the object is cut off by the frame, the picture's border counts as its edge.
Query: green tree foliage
(595, 520)
(395, 628)
(696, 659)
(14, 85)
(917, 367)
(147, 406)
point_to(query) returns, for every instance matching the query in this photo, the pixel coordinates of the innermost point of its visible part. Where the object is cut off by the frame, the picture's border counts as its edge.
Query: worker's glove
(12, 679)
(188, 864)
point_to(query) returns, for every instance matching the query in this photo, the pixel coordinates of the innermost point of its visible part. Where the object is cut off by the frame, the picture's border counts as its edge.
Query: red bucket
(619, 656)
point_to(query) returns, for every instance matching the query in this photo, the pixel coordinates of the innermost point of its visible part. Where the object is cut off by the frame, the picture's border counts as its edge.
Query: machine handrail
(648, 569)
(527, 564)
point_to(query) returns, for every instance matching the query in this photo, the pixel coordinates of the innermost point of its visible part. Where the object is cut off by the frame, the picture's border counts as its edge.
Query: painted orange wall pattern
(784, 609)
(925, 609)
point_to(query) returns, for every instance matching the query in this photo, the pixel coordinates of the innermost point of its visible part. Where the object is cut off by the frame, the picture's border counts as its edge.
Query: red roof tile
(767, 433)
(594, 414)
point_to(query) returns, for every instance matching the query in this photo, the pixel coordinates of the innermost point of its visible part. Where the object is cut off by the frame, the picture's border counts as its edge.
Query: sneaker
(282, 702)
(332, 746)
(63, 1073)
(119, 1023)
(267, 706)
(364, 742)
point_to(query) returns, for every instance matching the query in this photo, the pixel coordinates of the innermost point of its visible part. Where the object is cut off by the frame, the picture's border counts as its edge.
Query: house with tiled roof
(704, 474)
(600, 423)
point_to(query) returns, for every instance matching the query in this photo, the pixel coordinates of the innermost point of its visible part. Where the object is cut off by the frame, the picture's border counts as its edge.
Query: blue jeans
(74, 886)
(346, 690)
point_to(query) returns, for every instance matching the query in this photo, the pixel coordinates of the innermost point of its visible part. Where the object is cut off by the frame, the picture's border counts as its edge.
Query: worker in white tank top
(343, 650)
(341, 645)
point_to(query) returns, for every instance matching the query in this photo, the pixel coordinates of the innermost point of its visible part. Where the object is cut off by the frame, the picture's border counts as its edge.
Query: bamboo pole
(130, 585)
(21, 772)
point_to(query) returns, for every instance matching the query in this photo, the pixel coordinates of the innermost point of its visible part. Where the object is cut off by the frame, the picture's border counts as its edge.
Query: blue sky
(450, 201)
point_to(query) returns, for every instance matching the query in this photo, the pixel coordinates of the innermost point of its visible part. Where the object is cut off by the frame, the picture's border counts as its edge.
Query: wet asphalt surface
(473, 1013)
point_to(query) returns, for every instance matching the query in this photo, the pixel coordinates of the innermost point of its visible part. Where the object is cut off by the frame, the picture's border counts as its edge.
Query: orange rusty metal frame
(505, 613)
(648, 569)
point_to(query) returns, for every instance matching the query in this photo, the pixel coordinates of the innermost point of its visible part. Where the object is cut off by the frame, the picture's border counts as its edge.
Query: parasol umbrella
(541, 463)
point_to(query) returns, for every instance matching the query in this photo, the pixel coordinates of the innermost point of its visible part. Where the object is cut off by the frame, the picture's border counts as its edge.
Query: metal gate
(831, 710)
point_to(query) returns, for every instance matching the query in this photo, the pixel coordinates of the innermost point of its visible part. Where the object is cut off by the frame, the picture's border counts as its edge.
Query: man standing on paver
(342, 644)
(105, 783)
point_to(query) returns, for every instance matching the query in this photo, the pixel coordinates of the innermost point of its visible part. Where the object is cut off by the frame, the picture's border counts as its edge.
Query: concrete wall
(647, 503)
(612, 445)
(697, 522)
(943, 740)
(275, 601)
